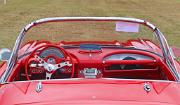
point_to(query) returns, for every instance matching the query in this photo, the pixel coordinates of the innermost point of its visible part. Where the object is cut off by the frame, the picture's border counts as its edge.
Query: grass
(163, 13)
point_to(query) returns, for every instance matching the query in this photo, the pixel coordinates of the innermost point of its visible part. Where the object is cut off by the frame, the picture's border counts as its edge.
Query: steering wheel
(42, 64)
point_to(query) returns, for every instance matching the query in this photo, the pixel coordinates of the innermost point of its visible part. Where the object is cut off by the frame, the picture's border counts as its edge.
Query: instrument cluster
(52, 51)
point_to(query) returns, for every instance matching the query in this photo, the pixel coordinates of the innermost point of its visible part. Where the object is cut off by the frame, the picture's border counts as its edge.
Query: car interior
(87, 60)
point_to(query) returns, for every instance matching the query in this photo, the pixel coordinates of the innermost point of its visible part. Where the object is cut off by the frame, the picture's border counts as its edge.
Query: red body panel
(92, 91)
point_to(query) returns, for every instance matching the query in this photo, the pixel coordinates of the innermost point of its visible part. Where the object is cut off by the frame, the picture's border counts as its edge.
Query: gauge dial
(52, 51)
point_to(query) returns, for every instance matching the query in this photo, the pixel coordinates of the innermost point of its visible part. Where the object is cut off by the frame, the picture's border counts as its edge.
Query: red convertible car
(89, 60)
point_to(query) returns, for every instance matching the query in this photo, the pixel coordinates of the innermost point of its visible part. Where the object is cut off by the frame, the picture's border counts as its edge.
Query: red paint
(94, 91)
(98, 91)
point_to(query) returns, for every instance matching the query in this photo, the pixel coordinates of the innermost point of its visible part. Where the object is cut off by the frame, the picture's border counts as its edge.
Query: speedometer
(52, 51)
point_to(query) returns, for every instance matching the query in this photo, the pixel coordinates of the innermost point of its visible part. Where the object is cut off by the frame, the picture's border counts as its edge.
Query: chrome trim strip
(13, 57)
(55, 19)
(76, 79)
(166, 50)
(143, 80)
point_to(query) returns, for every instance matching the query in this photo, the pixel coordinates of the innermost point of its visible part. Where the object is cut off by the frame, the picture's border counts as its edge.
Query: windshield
(107, 29)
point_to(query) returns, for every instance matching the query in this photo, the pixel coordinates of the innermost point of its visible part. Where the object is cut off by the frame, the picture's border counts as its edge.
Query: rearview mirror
(5, 54)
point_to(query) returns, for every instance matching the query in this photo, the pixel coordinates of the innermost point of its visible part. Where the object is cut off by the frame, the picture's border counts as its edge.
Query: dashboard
(104, 62)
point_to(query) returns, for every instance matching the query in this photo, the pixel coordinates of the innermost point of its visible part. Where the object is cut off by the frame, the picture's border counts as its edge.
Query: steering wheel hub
(50, 67)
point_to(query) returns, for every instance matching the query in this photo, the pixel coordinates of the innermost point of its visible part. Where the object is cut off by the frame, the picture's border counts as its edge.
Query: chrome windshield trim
(166, 50)
(55, 19)
(18, 42)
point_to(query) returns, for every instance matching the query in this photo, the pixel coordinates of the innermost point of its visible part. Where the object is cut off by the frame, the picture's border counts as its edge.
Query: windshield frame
(163, 42)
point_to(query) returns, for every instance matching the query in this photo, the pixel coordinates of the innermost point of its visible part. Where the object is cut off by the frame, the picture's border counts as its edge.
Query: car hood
(90, 91)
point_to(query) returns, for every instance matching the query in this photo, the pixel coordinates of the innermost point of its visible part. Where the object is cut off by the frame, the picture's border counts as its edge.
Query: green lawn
(17, 13)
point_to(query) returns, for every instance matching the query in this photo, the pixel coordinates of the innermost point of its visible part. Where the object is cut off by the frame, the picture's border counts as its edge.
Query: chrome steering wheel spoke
(48, 75)
(63, 64)
(50, 68)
